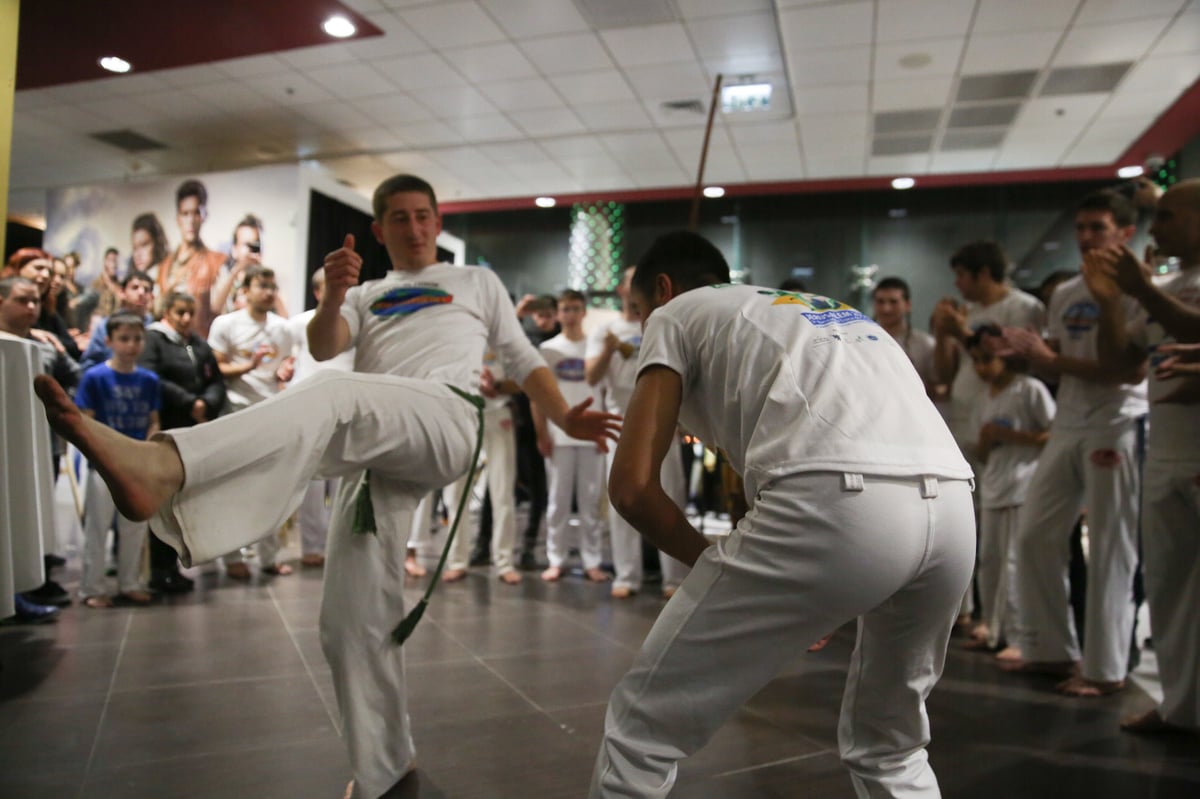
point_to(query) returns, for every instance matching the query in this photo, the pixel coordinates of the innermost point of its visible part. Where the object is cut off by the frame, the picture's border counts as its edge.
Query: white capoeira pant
(415, 436)
(500, 451)
(1171, 562)
(579, 468)
(1096, 469)
(815, 551)
(998, 573)
(312, 518)
(98, 514)
(627, 542)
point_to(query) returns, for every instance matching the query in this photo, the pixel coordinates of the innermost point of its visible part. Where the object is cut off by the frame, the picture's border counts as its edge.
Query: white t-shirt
(918, 346)
(1174, 428)
(436, 324)
(1024, 405)
(786, 383)
(622, 366)
(1073, 321)
(238, 335)
(565, 359)
(496, 407)
(306, 365)
(1017, 309)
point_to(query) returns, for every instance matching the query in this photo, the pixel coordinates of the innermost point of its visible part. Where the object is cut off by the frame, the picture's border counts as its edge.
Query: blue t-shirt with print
(120, 400)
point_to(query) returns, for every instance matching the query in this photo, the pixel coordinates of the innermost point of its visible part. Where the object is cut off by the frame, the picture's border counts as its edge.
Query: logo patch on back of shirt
(409, 299)
(822, 311)
(1080, 318)
(570, 369)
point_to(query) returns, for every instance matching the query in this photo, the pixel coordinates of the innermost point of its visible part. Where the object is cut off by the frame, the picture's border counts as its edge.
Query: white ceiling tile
(1161, 74)
(363, 6)
(392, 109)
(722, 166)
(29, 99)
(1086, 153)
(251, 66)
(1146, 105)
(547, 122)
(962, 161)
(639, 142)
(488, 127)
(1009, 52)
(351, 80)
(122, 112)
(525, 18)
(175, 105)
(944, 53)
(898, 164)
(699, 9)
(1031, 147)
(836, 99)
(491, 62)
(544, 171)
(288, 88)
(455, 101)
(680, 81)
(184, 77)
(136, 84)
(771, 164)
(766, 134)
(331, 116)
(825, 26)
(922, 19)
(891, 95)
(827, 136)
(823, 67)
(1097, 11)
(229, 96)
(744, 64)
(382, 139)
(519, 152)
(522, 94)
(425, 134)
(594, 87)
(1106, 128)
(687, 143)
(622, 115)
(1184, 33)
(568, 147)
(452, 24)
(1066, 112)
(577, 52)
(1108, 44)
(316, 56)
(652, 44)
(661, 177)
(421, 71)
(1009, 16)
(397, 39)
(722, 38)
(463, 159)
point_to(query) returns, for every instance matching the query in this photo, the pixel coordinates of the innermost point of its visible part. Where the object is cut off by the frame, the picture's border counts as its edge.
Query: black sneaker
(49, 593)
(171, 583)
(53, 561)
(480, 558)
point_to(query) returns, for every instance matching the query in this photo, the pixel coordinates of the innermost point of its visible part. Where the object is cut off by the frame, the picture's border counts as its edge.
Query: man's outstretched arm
(635, 485)
(328, 332)
(578, 421)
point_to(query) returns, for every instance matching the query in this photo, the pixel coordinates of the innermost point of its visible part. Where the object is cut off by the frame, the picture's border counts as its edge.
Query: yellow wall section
(9, 13)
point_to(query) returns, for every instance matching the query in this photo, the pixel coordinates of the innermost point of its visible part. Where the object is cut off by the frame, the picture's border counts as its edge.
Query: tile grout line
(87, 770)
(312, 677)
(780, 762)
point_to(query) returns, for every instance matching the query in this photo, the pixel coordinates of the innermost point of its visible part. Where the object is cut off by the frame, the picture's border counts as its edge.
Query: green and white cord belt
(364, 522)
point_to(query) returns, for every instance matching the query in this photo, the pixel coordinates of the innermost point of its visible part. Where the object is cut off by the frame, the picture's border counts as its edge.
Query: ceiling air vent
(128, 140)
(609, 14)
(691, 106)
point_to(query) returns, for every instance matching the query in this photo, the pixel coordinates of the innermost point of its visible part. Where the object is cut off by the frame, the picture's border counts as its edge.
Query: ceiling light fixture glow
(545, 202)
(712, 192)
(339, 27)
(115, 64)
(903, 183)
(1130, 172)
(746, 97)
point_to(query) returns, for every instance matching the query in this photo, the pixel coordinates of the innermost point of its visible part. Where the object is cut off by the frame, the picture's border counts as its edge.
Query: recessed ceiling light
(903, 183)
(114, 64)
(915, 60)
(1130, 171)
(545, 202)
(746, 97)
(339, 27)
(714, 191)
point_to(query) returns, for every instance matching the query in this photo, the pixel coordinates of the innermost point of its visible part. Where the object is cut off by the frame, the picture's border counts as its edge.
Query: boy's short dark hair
(689, 259)
(571, 295)
(124, 319)
(892, 283)
(1124, 212)
(982, 255)
(136, 274)
(111, 251)
(396, 184)
(178, 296)
(191, 188)
(1013, 362)
(543, 303)
(257, 273)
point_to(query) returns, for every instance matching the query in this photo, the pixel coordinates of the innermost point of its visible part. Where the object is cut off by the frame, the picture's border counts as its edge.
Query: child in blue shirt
(125, 397)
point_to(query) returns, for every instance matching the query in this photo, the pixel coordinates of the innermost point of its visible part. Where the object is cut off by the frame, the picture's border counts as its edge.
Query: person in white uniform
(312, 519)
(891, 301)
(572, 466)
(611, 363)
(1090, 462)
(422, 330)
(1171, 480)
(861, 509)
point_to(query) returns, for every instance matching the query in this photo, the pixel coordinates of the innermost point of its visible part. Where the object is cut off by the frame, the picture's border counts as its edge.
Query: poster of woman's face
(149, 222)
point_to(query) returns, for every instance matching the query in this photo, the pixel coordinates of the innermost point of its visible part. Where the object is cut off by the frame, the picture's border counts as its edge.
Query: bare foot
(349, 790)
(819, 645)
(412, 568)
(135, 597)
(312, 560)
(1009, 654)
(621, 592)
(1061, 669)
(974, 644)
(1079, 685)
(510, 577)
(979, 632)
(454, 575)
(552, 574)
(98, 602)
(598, 575)
(278, 569)
(238, 571)
(669, 591)
(1149, 723)
(141, 475)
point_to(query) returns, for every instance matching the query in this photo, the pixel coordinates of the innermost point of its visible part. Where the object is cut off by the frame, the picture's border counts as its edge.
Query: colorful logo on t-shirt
(630, 347)
(409, 299)
(1080, 318)
(822, 311)
(569, 369)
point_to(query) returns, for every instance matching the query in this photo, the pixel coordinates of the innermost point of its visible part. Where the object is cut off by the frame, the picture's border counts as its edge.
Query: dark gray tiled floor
(225, 693)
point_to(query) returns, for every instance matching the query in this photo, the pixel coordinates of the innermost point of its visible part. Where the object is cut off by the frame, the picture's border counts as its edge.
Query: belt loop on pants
(929, 487)
(852, 482)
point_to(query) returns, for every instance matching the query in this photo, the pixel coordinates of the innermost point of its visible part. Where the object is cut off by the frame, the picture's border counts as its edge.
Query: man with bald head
(1169, 314)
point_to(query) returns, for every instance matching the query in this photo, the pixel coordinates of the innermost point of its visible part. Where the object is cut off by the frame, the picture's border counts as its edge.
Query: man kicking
(393, 435)
(861, 508)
